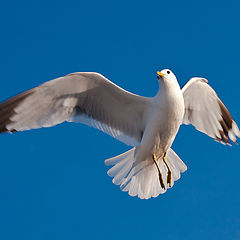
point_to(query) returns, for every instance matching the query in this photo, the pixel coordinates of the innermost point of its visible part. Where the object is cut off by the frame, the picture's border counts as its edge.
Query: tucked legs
(169, 176)
(159, 172)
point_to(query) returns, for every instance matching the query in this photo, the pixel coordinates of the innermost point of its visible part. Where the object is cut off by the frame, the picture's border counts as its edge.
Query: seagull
(149, 125)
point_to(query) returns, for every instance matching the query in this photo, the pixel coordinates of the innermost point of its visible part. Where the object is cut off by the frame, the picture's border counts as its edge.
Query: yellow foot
(159, 172)
(169, 176)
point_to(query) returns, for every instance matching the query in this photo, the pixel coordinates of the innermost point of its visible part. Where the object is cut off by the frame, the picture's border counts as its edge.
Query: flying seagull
(148, 124)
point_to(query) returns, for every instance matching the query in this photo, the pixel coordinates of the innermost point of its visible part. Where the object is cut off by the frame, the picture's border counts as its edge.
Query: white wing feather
(88, 98)
(206, 112)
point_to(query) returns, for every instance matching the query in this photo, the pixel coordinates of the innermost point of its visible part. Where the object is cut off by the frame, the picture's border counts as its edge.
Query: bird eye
(168, 72)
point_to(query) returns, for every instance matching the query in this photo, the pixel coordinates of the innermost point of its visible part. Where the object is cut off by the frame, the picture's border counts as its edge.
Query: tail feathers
(176, 165)
(141, 178)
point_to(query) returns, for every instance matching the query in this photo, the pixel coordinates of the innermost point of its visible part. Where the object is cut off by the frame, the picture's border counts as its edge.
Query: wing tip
(7, 110)
(3, 129)
(230, 130)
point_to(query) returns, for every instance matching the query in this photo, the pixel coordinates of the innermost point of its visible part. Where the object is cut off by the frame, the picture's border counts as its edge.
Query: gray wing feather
(87, 98)
(206, 112)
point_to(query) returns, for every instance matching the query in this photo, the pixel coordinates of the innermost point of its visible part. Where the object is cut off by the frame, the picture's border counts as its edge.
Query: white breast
(165, 118)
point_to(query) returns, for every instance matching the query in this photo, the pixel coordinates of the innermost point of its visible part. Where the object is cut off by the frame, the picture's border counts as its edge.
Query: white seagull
(148, 124)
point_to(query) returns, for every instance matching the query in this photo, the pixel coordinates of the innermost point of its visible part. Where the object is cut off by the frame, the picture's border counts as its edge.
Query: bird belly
(161, 130)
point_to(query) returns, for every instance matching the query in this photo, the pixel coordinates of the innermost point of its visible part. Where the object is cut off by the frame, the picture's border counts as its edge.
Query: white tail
(141, 178)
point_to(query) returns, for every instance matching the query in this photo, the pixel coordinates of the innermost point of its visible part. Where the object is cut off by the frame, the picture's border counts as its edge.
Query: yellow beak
(160, 74)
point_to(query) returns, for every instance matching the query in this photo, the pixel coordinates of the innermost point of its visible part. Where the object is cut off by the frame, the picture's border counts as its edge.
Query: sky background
(53, 182)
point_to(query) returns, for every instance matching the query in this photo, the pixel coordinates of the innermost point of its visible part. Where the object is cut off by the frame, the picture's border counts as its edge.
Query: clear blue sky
(53, 182)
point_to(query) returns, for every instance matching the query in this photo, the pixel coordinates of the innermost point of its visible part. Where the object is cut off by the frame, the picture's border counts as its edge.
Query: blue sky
(53, 182)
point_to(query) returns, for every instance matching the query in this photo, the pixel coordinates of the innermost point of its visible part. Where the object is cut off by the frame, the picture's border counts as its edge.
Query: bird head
(165, 74)
(167, 77)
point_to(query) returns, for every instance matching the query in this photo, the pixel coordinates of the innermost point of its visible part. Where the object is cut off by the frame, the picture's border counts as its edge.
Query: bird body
(165, 117)
(149, 125)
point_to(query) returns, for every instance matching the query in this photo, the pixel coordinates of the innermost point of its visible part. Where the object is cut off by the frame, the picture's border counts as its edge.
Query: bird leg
(169, 176)
(159, 172)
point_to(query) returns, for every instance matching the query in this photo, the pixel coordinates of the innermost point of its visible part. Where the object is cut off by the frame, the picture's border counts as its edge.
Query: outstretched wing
(87, 98)
(206, 112)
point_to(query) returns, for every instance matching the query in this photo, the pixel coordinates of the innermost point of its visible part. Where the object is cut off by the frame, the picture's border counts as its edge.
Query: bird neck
(168, 87)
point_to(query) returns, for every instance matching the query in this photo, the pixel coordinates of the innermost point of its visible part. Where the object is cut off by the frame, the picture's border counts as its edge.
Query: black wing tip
(7, 110)
(3, 129)
(226, 123)
(227, 118)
